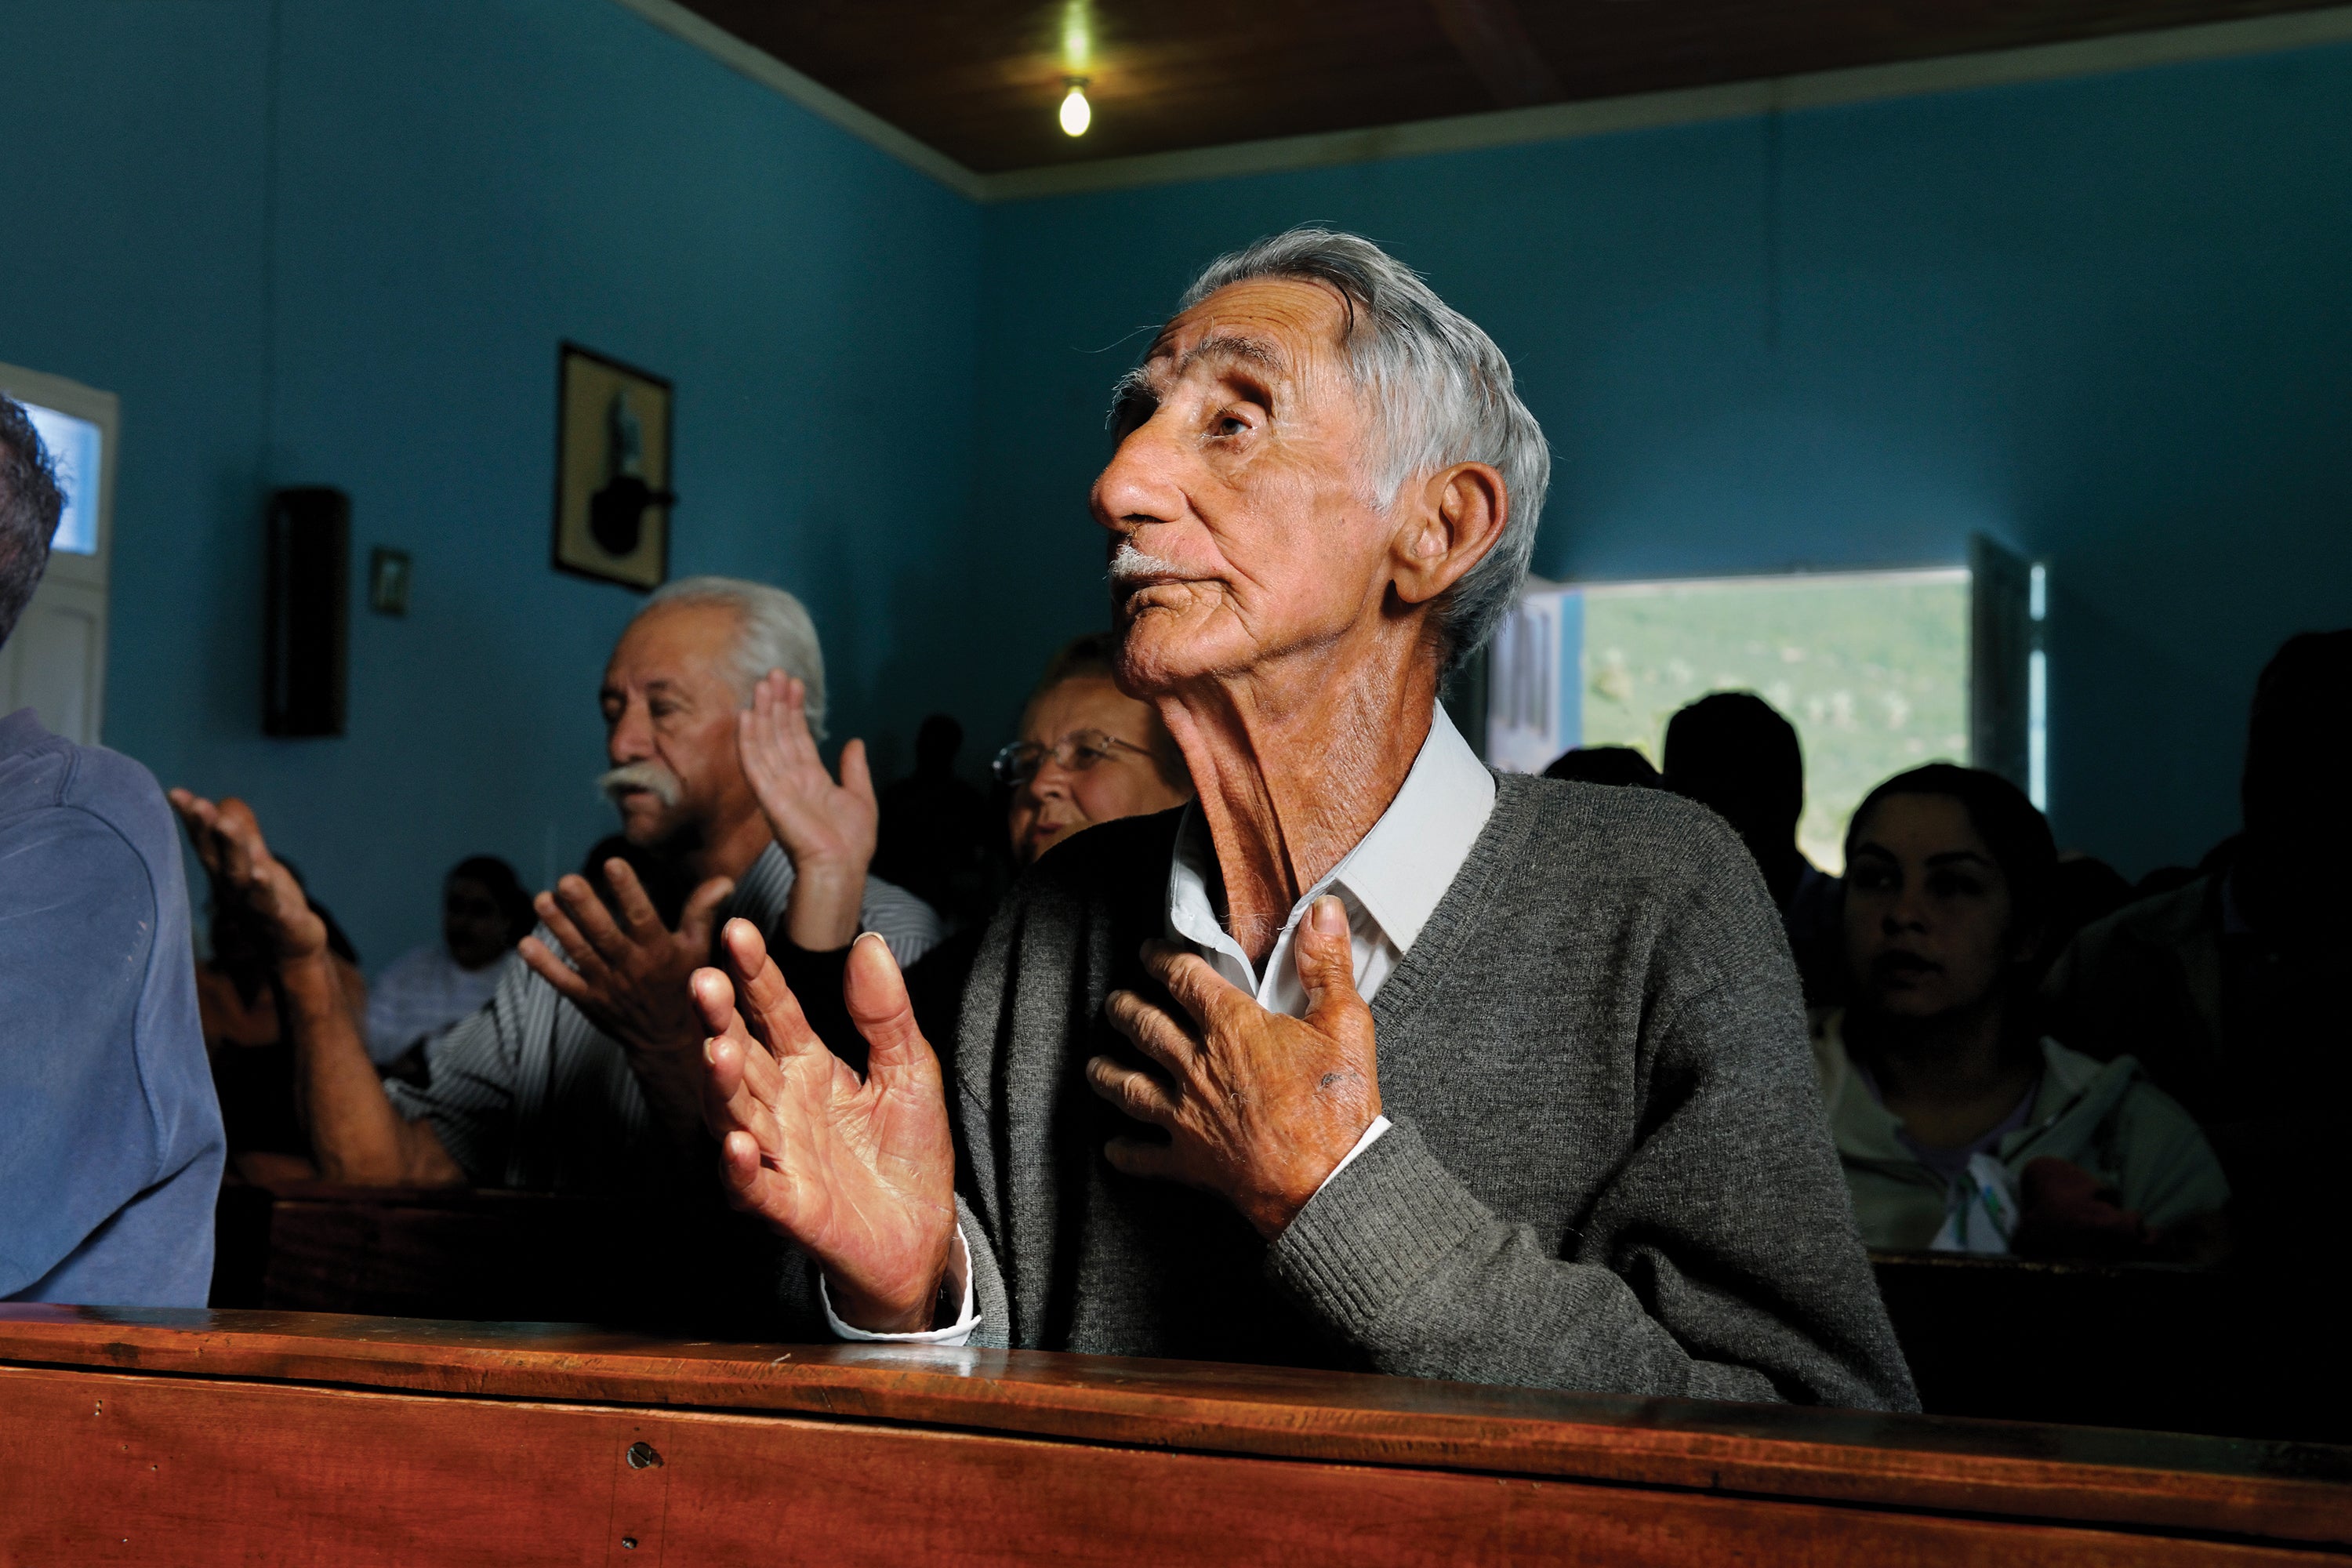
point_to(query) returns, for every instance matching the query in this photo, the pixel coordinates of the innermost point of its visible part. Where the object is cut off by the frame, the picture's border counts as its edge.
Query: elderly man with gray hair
(1367, 1057)
(583, 1073)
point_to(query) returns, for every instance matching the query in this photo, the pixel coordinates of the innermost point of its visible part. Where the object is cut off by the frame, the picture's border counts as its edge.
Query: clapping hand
(1257, 1106)
(828, 828)
(629, 976)
(228, 842)
(860, 1173)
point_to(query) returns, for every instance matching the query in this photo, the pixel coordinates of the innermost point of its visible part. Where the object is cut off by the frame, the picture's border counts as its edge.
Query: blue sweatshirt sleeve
(111, 1147)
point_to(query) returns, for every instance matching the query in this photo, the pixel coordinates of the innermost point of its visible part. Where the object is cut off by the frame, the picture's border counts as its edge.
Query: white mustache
(651, 777)
(1127, 565)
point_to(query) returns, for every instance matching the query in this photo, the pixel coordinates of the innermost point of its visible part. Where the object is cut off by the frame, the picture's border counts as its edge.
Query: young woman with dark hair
(1959, 1127)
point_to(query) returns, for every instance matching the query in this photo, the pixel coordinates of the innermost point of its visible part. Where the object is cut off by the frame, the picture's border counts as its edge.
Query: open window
(1879, 672)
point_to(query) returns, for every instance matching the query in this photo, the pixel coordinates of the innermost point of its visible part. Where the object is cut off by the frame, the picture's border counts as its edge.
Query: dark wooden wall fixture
(979, 79)
(261, 1439)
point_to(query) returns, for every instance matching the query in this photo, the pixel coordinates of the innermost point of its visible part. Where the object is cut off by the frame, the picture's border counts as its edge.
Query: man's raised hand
(860, 1173)
(1257, 1106)
(827, 829)
(629, 976)
(228, 842)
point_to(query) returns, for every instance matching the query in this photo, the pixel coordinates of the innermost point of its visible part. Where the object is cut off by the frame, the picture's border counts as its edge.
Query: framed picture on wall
(613, 492)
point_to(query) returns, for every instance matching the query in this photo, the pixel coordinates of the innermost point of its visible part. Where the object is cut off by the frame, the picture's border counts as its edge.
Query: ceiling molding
(809, 93)
(1515, 127)
(1640, 112)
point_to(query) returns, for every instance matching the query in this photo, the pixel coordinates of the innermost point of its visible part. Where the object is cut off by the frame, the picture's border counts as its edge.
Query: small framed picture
(612, 491)
(388, 581)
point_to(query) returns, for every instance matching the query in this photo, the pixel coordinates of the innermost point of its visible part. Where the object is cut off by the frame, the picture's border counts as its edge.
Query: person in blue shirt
(110, 1143)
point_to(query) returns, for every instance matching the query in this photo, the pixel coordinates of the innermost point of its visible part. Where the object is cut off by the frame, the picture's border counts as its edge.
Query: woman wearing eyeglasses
(1088, 754)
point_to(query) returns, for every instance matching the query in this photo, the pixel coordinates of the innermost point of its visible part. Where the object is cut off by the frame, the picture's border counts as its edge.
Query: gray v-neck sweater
(1609, 1168)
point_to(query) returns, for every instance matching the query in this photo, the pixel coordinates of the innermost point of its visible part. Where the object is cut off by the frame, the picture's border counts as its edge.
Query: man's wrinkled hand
(630, 977)
(229, 843)
(828, 828)
(1257, 1106)
(860, 1173)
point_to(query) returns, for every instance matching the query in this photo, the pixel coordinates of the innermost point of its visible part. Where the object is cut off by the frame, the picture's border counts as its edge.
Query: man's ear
(1454, 517)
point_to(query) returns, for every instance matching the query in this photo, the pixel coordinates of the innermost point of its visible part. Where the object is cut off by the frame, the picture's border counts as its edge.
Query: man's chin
(650, 827)
(1165, 646)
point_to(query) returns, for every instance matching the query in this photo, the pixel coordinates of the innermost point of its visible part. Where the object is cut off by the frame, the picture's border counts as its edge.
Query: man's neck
(1293, 766)
(727, 849)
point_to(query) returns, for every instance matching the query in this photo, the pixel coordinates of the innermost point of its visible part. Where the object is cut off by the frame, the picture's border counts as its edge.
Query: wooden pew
(263, 1438)
(432, 1252)
(2169, 1350)
(2227, 1352)
(457, 1252)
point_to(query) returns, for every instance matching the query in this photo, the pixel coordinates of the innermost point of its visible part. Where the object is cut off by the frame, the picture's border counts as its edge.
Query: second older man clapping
(582, 1074)
(1367, 1057)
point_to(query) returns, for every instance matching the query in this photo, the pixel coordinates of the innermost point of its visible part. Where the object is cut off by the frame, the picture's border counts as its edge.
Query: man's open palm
(628, 975)
(228, 840)
(827, 829)
(860, 1173)
(814, 817)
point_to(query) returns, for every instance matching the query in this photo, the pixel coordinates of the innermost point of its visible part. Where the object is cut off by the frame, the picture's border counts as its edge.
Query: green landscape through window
(1871, 668)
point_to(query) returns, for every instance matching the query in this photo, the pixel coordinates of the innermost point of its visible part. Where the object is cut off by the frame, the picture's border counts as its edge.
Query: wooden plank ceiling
(980, 79)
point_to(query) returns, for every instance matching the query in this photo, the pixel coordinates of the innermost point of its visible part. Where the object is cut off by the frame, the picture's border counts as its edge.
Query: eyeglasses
(1074, 752)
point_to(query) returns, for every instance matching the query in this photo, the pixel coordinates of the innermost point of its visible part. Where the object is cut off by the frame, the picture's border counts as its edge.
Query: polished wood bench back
(2166, 1350)
(260, 1437)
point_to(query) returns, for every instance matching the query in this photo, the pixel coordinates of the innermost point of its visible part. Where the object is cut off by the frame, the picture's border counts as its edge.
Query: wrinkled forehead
(1288, 329)
(687, 643)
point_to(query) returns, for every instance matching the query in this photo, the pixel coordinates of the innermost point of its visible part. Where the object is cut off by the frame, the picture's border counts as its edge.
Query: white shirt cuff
(1372, 1136)
(956, 1334)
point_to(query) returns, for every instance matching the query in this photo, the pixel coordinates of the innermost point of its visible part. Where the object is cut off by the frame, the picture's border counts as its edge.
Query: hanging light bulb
(1076, 113)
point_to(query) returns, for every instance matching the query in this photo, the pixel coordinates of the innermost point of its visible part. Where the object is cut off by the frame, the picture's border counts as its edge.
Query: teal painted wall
(337, 241)
(2106, 320)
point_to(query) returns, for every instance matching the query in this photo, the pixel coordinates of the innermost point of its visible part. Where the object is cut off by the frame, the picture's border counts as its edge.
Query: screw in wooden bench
(628, 1543)
(643, 1456)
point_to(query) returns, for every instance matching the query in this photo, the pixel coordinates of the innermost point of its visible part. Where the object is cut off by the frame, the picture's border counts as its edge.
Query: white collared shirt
(1390, 884)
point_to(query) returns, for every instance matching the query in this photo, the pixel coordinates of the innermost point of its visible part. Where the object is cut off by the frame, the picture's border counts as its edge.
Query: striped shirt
(528, 1093)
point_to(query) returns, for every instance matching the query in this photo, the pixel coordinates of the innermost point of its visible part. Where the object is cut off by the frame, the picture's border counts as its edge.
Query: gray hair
(775, 634)
(1443, 394)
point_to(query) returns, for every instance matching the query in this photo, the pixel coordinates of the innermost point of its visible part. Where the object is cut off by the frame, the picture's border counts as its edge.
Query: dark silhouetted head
(2299, 749)
(937, 743)
(1731, 752)
(2084, 889)
(484, 910)
(2296, 851)
(30, 505)
(1605, 765)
